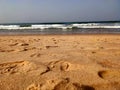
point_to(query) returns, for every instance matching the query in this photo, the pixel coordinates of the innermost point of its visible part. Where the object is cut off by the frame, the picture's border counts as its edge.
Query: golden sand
(60, 62)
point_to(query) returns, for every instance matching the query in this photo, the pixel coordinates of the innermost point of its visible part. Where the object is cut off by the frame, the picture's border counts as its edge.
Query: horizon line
(64, 22)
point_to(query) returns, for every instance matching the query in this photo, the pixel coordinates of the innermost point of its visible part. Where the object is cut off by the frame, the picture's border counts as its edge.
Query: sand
(60, 62)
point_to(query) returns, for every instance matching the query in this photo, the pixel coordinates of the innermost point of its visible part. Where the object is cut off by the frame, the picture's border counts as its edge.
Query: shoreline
(109, 34)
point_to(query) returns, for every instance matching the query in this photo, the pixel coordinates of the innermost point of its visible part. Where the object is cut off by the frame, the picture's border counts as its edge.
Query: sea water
(60, 28)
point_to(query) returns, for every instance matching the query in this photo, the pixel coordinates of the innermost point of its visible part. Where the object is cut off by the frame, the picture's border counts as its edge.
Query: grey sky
(16, 11)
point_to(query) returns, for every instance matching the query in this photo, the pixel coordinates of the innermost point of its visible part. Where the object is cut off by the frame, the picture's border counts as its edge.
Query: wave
(60, 26)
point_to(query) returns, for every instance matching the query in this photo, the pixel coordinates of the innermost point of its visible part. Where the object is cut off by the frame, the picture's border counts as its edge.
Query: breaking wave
(59, 26)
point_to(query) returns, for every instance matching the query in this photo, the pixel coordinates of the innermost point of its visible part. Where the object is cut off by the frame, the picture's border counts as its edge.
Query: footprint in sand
(59, 66)
(101, 47)
(34, 87)
(23, 44)
(109, 74)
(48, 47)
(109, 64)
(71, 86)
(19, 44)
(67, 85)
(21, 50)
(23, 67)
(14, 44)
(93, 52)
(16, 67)
(54, 40)
(25, 49)
(36, 55)
(63, 84)
(1, 50)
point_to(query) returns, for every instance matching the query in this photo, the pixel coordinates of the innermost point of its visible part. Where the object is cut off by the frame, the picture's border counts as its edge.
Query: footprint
(33, 87)
(24, 49)
(82, 47)
(41, 85)
(59, 84)
(23, 44)
(109, 64)
(48, 47)
(101, 47)
(66, 85)
(16, 67)
(93, 52)
(109, 74)
(59, 66)
(19, 44)
(1, 50)
(35, 55)
(14, 44)
(55, 42)
(83, 87)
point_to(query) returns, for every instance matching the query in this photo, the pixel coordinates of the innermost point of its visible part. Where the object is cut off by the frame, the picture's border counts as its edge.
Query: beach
(60, 62)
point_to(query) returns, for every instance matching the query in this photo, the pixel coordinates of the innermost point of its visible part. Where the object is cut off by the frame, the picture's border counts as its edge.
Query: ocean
(61, 28)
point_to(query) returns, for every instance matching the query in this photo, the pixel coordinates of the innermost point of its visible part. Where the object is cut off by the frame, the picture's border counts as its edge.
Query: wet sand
(60, 62)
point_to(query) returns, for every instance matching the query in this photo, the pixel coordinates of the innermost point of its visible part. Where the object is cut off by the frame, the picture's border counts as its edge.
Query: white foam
(60, 26)
(95, 25)
(9, 26)
(48, 26)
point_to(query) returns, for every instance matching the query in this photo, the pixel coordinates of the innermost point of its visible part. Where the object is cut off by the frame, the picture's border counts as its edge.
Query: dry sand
(60, 62)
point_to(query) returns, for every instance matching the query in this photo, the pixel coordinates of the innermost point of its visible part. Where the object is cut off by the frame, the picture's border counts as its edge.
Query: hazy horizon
(34, 11)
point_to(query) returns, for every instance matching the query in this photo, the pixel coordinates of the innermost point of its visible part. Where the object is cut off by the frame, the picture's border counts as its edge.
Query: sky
(29, 11)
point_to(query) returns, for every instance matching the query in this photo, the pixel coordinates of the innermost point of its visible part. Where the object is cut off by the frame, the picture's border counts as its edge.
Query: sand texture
(60, 62)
